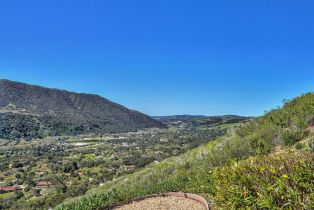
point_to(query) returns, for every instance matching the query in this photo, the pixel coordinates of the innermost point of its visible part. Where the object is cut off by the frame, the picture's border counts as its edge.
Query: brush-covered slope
(265, 164)
(29, 111)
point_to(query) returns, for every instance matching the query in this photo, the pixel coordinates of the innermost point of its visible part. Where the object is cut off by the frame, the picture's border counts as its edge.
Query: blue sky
(164, 57)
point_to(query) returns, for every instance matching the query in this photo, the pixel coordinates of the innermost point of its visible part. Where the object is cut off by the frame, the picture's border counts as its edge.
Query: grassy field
(7, 195)
(98, 139)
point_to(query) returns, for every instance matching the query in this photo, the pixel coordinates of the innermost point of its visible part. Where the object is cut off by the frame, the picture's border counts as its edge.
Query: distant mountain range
(178, 117)
(199, 120)
(30, 111)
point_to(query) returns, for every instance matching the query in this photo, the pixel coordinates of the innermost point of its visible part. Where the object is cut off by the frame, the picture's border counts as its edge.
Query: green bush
(283, 181)
(311, 144)
(290, 137)
(299, 146)
(228, 149)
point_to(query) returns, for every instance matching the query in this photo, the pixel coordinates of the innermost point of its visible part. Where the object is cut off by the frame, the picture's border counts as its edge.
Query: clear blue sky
(164, 57)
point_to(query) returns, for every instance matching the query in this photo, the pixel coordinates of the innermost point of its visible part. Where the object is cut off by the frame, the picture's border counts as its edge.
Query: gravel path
(163, 203)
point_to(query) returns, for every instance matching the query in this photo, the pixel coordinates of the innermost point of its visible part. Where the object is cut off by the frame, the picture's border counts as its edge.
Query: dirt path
(163, 203)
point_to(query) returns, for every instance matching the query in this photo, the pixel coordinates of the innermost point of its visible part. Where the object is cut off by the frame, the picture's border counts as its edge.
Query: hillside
(265, 164)
(30, 111)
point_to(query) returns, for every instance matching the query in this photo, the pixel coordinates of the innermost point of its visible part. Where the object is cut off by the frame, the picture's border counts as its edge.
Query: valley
(41, 173)
(156, 105)
(71, 151)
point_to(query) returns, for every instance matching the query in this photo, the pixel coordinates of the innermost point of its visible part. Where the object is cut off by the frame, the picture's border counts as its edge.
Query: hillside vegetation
(29, 111)
(262, 164)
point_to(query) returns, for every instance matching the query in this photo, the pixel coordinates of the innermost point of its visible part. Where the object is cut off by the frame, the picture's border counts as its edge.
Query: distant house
(43, 184)
(10, 165)
(9, 189)
(129, 167)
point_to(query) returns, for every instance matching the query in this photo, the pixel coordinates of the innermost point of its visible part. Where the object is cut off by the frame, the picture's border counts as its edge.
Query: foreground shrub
(282, 181)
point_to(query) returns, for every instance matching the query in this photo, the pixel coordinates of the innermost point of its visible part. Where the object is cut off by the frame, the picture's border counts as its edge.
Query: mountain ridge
(190, 121)
(51, 111)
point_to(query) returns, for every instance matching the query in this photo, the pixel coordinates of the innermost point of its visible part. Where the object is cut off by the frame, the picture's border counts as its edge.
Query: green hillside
(30, 111)
(267, 163)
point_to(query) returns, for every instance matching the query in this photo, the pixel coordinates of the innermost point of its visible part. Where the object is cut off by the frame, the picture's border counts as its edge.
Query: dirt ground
(163, 203)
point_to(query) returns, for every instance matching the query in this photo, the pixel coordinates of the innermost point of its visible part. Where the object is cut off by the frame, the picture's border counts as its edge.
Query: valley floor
(41, 173)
